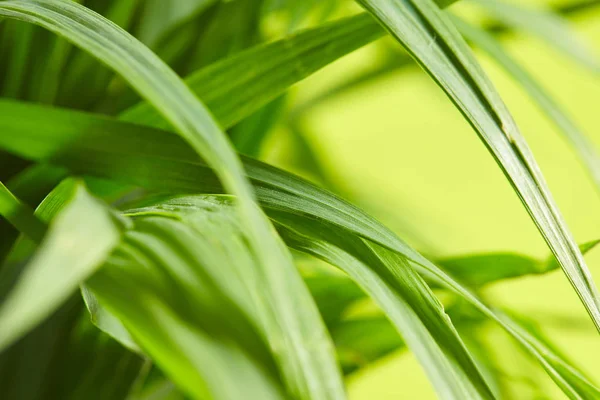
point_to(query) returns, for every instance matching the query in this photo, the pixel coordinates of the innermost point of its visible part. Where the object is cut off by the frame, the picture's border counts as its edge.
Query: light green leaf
(307, 363)
(181, 288)
(544, 24)
(585, 148)
(572, 382)
(240, 85)
(393, 284)
(164, 163)
(423, 29)
(77, 242)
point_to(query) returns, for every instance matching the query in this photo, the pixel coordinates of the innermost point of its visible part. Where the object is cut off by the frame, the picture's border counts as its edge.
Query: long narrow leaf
(20, 215)
(388, 278)
(177, 287)
(290, 316)
(586, 150)
(77, 242)
(422, 28)
(161, 161)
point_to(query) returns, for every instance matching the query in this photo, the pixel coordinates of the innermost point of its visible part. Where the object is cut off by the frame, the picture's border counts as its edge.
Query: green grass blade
(155, 159)
(20, 215)
(240, 85)
(86, 144)
(389, 279)
(427, 33)
(404, 297)
(293, 319)
(106, 321)
(546, 25)
(584, 147)
(571, 381)
(77, 242)
(187, 300)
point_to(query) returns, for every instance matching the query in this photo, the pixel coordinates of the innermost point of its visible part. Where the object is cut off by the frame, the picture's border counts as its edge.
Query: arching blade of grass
(154, 159)
(407, 302)
(20, 215)
(177, 284)
(404, 296)
(584, 148)
(161, 161)
(78, 240)
(546, 25)
(298, 336)
(31, 186)
(422, 28)
(239, 85)
(573, 383)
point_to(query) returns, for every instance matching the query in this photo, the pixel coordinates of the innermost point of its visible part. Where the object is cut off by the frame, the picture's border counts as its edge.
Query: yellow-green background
(401, 150)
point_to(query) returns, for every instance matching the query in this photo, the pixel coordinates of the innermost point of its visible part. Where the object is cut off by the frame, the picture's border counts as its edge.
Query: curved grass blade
(107, 322)
(407, 301)
(361, 341)
(572, 382)
(429, 36)
(546, 25)
(161, 161)
(240, 85)
(584, 148)
(20, 215)
(392, 283)
(183, 299)
(78, 240)
(307, 358)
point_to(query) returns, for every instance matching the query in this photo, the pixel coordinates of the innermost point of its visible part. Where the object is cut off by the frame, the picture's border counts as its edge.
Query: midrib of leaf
(307, 358)
(432, 40)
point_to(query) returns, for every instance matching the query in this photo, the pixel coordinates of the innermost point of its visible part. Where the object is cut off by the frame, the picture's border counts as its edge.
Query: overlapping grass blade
(107, 322)
(306, 358)
(161, 161)
(184, 300)
(20, 215)
(546, 25)
(78, 240)
(430, 37)
(31, 186)
(397, 288)
(584, 148)
(239, 85)
(572, 382)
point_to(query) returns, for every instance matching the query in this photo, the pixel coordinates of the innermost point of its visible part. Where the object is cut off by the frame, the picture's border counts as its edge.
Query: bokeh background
(396, 146)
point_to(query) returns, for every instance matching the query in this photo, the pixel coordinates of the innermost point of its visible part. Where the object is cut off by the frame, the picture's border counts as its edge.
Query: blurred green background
(397, 147)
